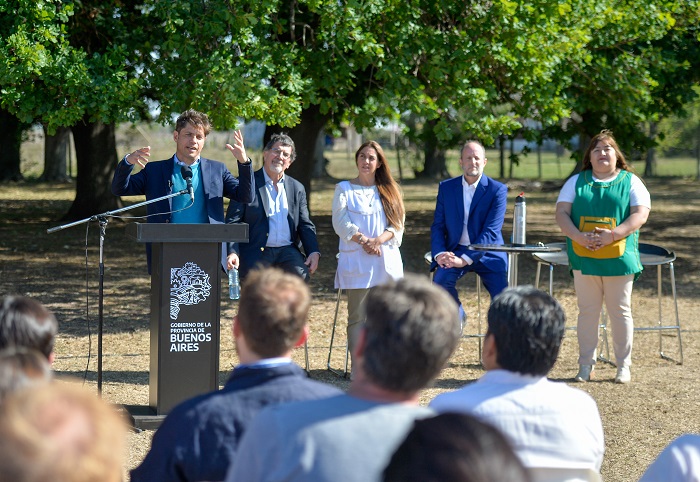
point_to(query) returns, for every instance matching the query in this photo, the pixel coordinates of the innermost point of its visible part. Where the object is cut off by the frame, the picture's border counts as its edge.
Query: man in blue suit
(470, 209)
(211, 180)
(278, 218)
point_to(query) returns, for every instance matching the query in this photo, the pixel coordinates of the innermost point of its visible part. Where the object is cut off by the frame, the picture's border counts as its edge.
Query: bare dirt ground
(639, 419)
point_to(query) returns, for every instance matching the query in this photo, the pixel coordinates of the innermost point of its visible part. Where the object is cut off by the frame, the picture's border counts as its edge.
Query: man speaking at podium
(206, 180)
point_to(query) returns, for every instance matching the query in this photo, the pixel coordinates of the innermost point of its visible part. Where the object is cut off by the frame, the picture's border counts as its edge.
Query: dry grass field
(61, 270)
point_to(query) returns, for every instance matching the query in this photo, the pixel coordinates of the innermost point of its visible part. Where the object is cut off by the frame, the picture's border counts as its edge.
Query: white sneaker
(585, 373)
(623, 375)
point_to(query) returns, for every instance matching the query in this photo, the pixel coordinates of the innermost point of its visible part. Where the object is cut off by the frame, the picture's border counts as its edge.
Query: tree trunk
(11, 140)
(319, 156)
(56, 149)
(96, 156)
(502, 156)
(650, 165)
(304, 135)
(697, 152)
(434, 166)
(584, 139)
(511, 157)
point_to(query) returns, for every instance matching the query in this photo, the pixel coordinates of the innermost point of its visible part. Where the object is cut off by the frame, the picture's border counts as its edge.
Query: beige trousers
(616, 292)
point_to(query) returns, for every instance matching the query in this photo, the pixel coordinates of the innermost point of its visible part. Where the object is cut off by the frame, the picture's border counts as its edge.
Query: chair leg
(677, 327)
(659, 326)
(603, 327)
(478, 309)
(675, 304)
(551, 276)
(344, 373)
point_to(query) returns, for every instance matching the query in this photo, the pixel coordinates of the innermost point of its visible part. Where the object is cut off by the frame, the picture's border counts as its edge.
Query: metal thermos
(519, 220)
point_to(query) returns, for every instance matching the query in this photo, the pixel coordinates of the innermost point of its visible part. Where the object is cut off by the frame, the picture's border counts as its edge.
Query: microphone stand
(102, 219)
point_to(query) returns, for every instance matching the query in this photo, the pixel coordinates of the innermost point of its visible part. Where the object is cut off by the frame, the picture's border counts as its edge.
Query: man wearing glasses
(278, 218)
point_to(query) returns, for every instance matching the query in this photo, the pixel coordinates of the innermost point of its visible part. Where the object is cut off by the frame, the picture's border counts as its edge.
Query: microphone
(186, 172)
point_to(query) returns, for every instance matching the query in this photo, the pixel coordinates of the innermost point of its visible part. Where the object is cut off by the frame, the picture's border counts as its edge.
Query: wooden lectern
(185, 311)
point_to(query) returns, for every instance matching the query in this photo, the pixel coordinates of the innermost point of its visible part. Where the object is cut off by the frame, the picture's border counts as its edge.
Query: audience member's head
(26, 322)
(60, 432)
(272, 311)
(457, 448)
(21, 368)
(409, 334)
(527, 327)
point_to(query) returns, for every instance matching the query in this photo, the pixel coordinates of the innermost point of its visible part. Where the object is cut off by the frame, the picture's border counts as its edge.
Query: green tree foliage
(309, 61)
(469, 69)
(40, 71)
(683, 131)
(66, 64)
(640, 64)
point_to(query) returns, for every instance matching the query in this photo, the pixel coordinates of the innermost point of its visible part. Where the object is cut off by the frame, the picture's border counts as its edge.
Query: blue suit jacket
(199, 438)
(155, 180)
(484, 226)
(301, 228)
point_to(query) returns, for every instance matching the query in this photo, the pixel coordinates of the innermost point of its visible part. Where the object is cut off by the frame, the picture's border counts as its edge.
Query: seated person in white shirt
(549, 424)
(469, 210)
(679, 462)
(281, 233)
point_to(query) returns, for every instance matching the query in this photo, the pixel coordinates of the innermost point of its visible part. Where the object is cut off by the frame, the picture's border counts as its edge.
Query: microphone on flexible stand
(186, 172)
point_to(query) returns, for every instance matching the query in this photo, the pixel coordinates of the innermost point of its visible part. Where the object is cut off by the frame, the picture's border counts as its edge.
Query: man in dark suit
(470, 210)
(211, 180)
(278, 218)
(198, 440)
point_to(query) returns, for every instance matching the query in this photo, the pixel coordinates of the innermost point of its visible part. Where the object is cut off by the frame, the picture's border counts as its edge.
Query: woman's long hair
(605, 135)
(389, 192)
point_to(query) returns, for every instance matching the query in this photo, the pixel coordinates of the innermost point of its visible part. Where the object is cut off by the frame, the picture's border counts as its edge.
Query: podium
(185, 312)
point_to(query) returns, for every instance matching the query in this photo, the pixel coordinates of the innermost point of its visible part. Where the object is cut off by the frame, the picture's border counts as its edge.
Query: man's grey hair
(412, 329)
(283, 139)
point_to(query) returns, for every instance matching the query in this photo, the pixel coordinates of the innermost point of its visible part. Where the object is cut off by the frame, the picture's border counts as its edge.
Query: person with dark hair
(278, 218)
(470, 209)
(550, 425)
(408, 337)
(21, 368)
(600, 210)
(454, 447)
(25, 322)
(198, 440)
(211, 181)
(368, 216)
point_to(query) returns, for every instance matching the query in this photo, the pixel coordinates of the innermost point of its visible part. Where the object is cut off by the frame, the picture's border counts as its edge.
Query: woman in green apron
(600, 210)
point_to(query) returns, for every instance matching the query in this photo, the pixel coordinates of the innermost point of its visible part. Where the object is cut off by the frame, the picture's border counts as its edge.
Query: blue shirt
(183, 212)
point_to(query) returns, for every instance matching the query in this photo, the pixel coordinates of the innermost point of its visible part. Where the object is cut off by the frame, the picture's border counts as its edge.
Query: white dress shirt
(279, 234)
(549, 424)
(679, 462)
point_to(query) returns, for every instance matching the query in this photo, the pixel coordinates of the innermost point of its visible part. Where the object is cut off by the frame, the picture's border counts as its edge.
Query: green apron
(604, 202)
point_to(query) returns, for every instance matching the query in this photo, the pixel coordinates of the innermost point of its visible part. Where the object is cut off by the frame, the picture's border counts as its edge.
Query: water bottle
(234, 286)
(519, 220)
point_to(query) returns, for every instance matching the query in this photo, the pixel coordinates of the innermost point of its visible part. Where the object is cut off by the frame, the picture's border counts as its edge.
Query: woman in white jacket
(368, 216)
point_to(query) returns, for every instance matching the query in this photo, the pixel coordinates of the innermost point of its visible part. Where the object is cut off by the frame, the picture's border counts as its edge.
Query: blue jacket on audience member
(199, 439)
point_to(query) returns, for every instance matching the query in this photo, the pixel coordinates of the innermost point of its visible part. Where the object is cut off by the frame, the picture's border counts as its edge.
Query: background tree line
(446, 70)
